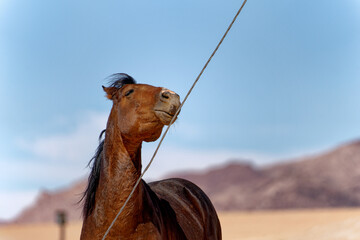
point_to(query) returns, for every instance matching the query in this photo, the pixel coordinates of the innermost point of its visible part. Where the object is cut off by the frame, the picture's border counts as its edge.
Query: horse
(168, 209)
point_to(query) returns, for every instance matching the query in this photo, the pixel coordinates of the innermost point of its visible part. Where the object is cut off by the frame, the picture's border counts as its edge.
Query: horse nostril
(165, 95)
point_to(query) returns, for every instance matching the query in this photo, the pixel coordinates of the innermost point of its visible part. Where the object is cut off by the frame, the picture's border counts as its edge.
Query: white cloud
(12, 202)
(75, 146)
(56, 159)
(31, 174)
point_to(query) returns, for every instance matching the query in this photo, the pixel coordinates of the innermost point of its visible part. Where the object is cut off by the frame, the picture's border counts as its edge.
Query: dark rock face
(331, 179)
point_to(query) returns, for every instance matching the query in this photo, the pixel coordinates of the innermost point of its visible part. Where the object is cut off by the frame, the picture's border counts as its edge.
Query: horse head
(143, 109)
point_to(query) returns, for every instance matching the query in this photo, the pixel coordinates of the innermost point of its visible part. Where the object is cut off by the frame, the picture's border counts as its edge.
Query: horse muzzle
(167, 105)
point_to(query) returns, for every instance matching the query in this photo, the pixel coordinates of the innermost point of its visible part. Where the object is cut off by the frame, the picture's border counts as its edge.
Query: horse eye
(129, 92)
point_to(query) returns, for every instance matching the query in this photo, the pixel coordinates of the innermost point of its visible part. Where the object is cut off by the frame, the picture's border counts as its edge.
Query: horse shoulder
(193, 209)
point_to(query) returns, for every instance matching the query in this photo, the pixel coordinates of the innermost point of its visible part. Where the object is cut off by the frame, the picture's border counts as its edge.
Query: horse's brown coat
(167, 209)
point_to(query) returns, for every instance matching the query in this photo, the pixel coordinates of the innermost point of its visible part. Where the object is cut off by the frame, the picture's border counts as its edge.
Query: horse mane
(117, 80)
(120, 79)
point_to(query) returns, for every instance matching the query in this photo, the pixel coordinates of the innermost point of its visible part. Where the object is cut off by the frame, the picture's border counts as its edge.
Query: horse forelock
(118, 80)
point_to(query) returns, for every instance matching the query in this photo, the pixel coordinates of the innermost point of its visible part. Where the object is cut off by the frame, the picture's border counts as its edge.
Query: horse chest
(146, 231)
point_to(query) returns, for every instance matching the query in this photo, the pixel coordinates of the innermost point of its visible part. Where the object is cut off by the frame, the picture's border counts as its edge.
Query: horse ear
(110, 92)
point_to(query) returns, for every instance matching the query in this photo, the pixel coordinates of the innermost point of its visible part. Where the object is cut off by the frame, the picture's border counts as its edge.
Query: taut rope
(173, 119)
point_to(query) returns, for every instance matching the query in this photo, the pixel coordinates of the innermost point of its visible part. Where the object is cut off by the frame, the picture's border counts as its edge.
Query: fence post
(61, 221)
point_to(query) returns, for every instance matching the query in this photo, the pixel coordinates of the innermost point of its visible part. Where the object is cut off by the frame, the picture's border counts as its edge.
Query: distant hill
(326, 180)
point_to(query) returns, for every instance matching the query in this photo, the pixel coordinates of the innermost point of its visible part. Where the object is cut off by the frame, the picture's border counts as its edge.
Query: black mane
(93, 181)
(116, 80)
(120, 79)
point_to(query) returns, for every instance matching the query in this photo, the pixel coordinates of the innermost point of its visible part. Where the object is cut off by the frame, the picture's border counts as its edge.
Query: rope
(173, 119)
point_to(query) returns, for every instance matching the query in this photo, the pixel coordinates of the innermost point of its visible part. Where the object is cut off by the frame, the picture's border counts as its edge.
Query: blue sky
(285, 82)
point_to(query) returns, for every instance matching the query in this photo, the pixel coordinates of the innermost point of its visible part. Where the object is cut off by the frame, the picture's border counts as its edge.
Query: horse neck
(122, 168)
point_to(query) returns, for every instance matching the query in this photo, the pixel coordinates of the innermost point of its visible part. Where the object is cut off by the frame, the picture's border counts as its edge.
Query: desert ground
(324, 224)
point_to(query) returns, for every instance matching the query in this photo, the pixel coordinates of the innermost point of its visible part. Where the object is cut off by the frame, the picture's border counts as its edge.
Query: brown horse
(167, 209)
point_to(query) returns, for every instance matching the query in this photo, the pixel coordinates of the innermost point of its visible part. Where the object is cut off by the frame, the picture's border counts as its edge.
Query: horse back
(193, 209)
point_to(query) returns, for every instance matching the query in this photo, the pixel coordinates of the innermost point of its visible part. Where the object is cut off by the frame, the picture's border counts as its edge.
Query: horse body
(168, 209)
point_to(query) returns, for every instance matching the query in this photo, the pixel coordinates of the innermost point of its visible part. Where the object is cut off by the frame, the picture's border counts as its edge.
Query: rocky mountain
(327, 180)
(331, 179)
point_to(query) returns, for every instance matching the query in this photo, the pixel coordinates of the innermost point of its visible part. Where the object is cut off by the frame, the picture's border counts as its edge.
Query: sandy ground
(328, 224)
